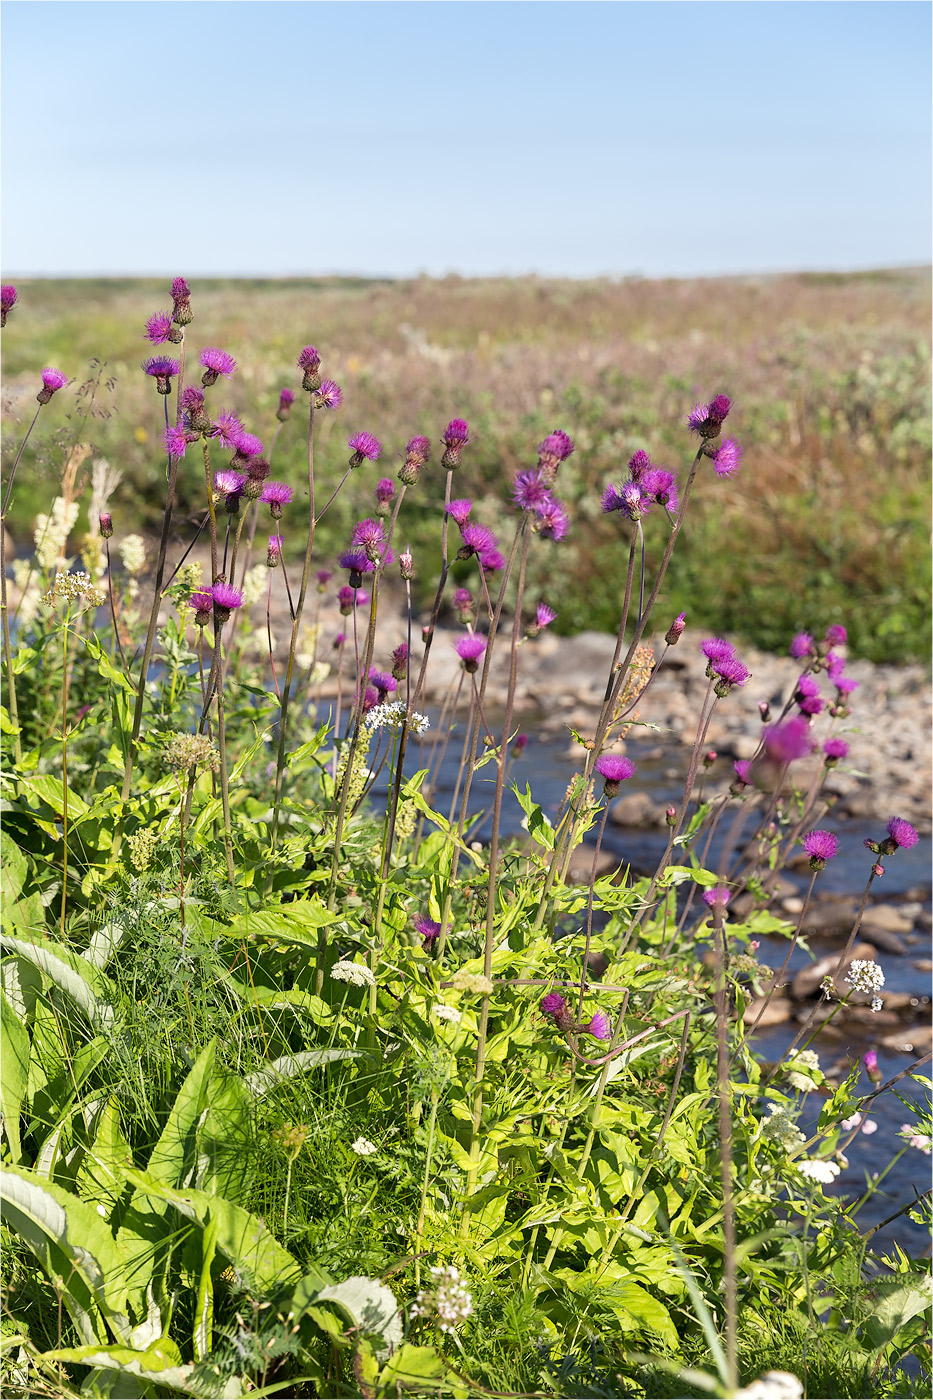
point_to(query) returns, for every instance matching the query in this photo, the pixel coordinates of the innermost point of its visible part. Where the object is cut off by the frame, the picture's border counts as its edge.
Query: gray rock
(776, 1012)
(808, 979)
(637, 809)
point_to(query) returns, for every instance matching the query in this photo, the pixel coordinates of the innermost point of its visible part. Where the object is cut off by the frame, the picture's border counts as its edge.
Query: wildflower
(406, 565)
(463, 602)
(229, 483)
(529, 490)
(661, 486)
(598, 1026)
(203, 604)
(555, 448)
(446, 1301)
(614, 769)
(226, 600)
(544, 616)
(743, 771)
(869, 1127)
(363, 1147)
(807, 696)
(330, 395)
(726, 458)
(357, 974)
(803, 1070)
(715, 649)
(400, 661)
(914, 1139)
(864, 976)
(162, 369)
(470, 648)
(848, 1124)
(417, 453)
(476, 539)
(274, 552)
(836, 636)
(309, 362)
(275, 495)
(448, 1013)
(638, 464)
(731, 673)
(675, 631)
(323, 578)
(247, 445)
(520, 745)
(428, 930)
(365, 448)
(801, 646)
(286, 399)
(174, 441)
(817, 1169)
(385, 495)
(780, 1127)
(190, 751)
(833, 751)
(870, 1061)
(347, 599)
(455, 437)
(490, 560)
(383, 683)
(717, 897)
(901, 834)
(159, 329)
(133, 553)
(7, 301)
(783, 743)
(357, 562)
(552, 520)
(182, 314)
(75, 588)
(555, 1007)
(459, 511)
(216, 362)
(471, 982)
(707, 419)
(820, 846)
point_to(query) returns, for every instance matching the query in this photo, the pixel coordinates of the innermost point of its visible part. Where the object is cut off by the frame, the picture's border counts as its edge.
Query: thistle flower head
(615, 768)
(418, 449)
(159, 328)
(490, 560)
(544, 616)
(476, 538)
(556, 1009)
(323, 577)
(529, 490)
(743, 771)
(383, 682)
(470, 648)
(330, 395)
(105, 521)
(836, 636)
(784, 743)
(286, 399)
(369, 535)
(717, 650)
(459, 511)
(174, 441)
(215, 362)
(309, 358)
(180, 289)
(455, 437)
(365, 447)
(598, 1026)
(820, 846)
(801, 646)
(611, 500)
(638, 464)
(400, 661)
(870, 1061)
(160, 367)
(275, 495)
(229, 483)
(53, 380)
(203, 604)
(226, 599)
(274, 552)
(717, 897)
(675, 631)
(429, 931)
(731, 672)
(555, 448)
(661, 486)
(226, 429)
(902, 834)
(182, 314)
(356, 560)
(463, 600)
(384, 491)
(726, 458)
(834, 750)
(551, 520)
(707, 419)
(247, 444)
(7, 301)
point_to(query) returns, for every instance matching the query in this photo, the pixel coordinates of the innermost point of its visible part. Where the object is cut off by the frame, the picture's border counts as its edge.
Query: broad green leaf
(105, 666)
(102, 1174)
(368, 1305)
(160, 1364)
(286, 1067)
(73, 1245)
(14, 1073)
(173, 1157)
(76, 978)
(52, 792)
(204, 1309)
(416, 1369)
(6, 724)
(14, 867)
(898, 1300)
(22, 984)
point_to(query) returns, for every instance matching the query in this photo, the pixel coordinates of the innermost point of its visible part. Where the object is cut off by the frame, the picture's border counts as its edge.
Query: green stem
(64, 770)
(419, 1228)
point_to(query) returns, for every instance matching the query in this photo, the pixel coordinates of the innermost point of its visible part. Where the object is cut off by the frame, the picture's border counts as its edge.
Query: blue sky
(662, 139)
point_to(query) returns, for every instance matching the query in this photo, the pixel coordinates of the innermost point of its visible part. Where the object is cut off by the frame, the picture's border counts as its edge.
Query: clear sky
(268, 137)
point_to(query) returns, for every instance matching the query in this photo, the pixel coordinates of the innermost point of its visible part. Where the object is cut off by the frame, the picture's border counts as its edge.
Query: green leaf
(202, 1338)
(369, 1306)
(51, 791)
(102, 1175)
(261, 1081)
(74, 1247)
(14, 1072)
(160, 1364)
(415, 1368)
(173, 1157)
(105, 666)
(899, 1301)
(69, 971)
(14, 868)
(539, 828)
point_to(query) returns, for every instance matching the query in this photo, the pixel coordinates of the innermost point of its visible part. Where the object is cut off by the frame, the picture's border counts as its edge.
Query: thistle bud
(709, 758)
(309, 361)
(670, 816)
(286, 399)
(406, 565)
(673, 633)
(106, 525)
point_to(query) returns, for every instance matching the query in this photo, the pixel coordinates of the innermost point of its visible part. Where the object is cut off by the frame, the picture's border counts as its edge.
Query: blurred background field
(828, 520)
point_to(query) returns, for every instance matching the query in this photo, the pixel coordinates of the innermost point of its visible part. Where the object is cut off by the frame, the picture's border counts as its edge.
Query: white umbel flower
(864, 976)
(780, 1127)
(803, 1070)
(819, 1170)
(447, 1302)
(133, 553)
(356, 973)
(391, 714)
(773, 1385)
(448, 1013)
(363, 1147)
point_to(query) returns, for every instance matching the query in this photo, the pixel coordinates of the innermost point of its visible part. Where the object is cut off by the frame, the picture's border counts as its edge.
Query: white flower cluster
(75, 588)
(133, 553)
(864, 976)
(356, 973)
(29, 589)
(52, 531)
(780, 1127)
(447, 1301)
(773, 1385)
(818, 1169)
(471, 982)
(448, 1013)
(254, 585)
(803, 1070)
(391, 714)
(363, 1147)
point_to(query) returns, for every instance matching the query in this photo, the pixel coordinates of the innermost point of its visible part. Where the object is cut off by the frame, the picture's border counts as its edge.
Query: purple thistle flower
(418, 449)
(202, 601)
(227, 428)
(820, 846)
(614, 769)
(247, 444)
(807, 688)
(215, 362)
(726, 458)
(675, 631)
(370, 698)
(369, 535)
(346, 598)
(309, 358)
(330, 394)
(228, 483)
(552, 520)
(611, 500)
(520, 745)
(716, 649)
(7, 301)
(707, 418)
(182, 314)
(633, 501)
(845, 684)
(490, 560)
(162, 369)
(870, 1061)
(459, 511)
(529, 490)
(836, 636)
(105, 521)
(428, 930)
(555, 448)
(274, 552)
(463, 598)
(544, 615)
(323, 577)
(718, 895)
(455, 437)
(385, 491)
(661, 486)
(174, 441)
(476, 538)
(470, 648)
(159, 328)
(731, 672)
(801, 646)
(383, 682)
(902, 834)
(555, 1007)
(638, 464)
(286, 399)
(226, 600)
(52, 381)
(743, 771)
(598, 1026)
(275, 495)
(365, 448)
(835, 749)
(192, 398)
(783, 743)
(356, 561)
(180, 289)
